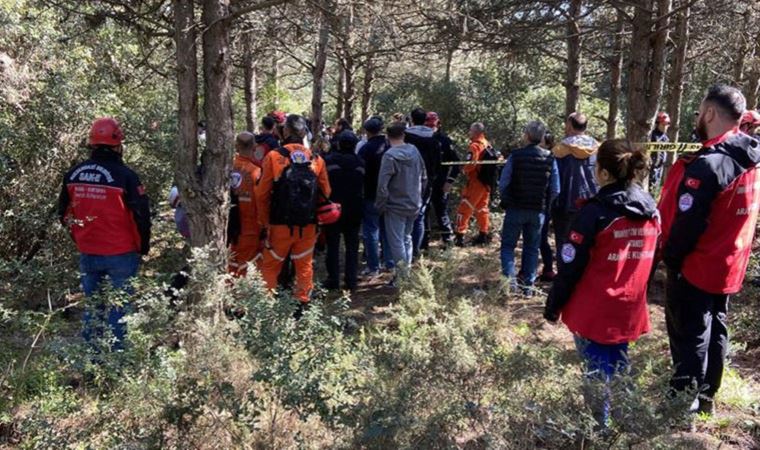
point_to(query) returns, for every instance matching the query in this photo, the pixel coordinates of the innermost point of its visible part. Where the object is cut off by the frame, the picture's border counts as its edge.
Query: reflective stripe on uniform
(301, 255)
(467, 202)
(275, 255)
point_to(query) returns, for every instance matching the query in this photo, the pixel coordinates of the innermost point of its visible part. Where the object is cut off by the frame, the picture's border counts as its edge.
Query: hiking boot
(300, 309)
(459, 240)
(369, 273)
(482, 239)
(703, 405)
(547, 276)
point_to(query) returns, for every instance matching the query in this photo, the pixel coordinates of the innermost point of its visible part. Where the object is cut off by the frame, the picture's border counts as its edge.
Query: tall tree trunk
(250, 81)
(616, 70)
(318, 71)
(741, 51)
(449, 60)
(185, 172)
(753, 78)
(647, 62)
(573, 70)
(276, 77)
(677, 73)
(367, 87)
(349, 89)
(340, 94)
(207, 212)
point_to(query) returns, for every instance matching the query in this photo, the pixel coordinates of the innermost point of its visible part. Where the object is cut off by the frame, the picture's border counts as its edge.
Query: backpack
(294, 196)
(488, 174)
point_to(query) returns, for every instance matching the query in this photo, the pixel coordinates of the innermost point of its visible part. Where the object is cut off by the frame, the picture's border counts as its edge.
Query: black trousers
(547, 255)
(440, 202)
(561, 221)
(698, 335)
(350, 233)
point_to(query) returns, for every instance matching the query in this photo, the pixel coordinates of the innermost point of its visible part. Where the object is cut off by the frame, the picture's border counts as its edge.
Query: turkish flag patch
(576, 237)
(692, 183)
(141, 189)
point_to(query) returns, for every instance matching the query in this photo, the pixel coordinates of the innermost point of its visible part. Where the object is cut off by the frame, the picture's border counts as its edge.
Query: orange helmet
(663, 117)
(278, 116)
(106, 131)
(328, 213)
(751, 118)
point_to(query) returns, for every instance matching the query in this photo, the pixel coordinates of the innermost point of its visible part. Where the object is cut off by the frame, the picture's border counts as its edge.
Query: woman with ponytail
(600, 290)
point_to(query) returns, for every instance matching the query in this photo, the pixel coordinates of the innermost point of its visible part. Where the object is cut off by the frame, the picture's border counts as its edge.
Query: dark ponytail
(622, 161)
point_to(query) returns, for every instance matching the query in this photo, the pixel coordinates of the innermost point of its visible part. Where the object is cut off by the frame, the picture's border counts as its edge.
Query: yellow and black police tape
(665, 147)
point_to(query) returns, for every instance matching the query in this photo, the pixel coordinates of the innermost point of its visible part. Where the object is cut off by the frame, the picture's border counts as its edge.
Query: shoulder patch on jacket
(692, 183)
(685, 202)
(576, 237)
(568, 253)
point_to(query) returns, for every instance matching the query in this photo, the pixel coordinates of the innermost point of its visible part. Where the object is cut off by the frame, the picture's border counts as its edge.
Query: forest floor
(738, 403)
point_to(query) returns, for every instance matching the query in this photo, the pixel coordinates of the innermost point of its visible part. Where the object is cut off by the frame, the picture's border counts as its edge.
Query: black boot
(300, 309)
(482, 239)
(459, 240)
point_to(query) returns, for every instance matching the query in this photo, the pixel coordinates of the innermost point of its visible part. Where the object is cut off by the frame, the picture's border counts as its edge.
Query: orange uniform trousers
(299, 243)
(475, 200)
(246, 251)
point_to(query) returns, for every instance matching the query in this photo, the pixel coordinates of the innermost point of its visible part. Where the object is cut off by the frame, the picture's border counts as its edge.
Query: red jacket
(601, 286)
(709, 206)
(105, 207)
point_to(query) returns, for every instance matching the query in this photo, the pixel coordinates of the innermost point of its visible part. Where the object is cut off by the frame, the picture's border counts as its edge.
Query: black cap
(373, 125)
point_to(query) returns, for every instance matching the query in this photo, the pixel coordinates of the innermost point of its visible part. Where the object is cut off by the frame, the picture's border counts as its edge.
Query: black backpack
(488, 174)
(295, 193)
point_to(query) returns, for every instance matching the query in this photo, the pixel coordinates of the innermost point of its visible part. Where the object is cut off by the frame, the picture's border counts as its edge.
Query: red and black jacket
(600, 289)
(709, 206)
(105, 207)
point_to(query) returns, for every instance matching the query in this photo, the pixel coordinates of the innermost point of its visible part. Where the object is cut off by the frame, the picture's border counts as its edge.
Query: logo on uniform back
(685, 201)
(298, 157)
(568, 253)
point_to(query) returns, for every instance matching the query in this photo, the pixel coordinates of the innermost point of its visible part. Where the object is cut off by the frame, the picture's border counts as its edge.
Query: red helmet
(751, 118)
(328, 213)
(432, 119)
(278, 116)
(106, 131)
(663, 117)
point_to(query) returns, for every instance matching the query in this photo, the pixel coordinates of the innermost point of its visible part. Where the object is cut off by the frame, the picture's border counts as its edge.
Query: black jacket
(430, 150)
(446, 174)
(372, 155)
(346, 174)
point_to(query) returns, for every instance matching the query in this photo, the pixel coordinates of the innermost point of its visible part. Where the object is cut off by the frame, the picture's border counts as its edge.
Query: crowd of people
(288, 189)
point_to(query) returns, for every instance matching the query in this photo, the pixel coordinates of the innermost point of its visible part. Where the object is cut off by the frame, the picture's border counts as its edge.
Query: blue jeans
(371, 235)
(418, 232)
(529, 223)
(601, 363)
(398, 229)
(118, 269)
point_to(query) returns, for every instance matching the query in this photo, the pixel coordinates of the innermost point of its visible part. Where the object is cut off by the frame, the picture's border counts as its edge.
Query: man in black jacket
(345, 170)
(429, 147)
(104, 206)
(372, 224)
(444, 179)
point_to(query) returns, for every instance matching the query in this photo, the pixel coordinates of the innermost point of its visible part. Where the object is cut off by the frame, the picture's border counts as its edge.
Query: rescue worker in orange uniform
(244, 236)
(286, 199)
(475, 195)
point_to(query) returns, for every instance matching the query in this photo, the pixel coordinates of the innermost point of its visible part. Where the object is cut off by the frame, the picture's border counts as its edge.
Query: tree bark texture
(678, 72)
(318, 72)
(573, 69)
(250, 79)
(616, 70)
(647, 65)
